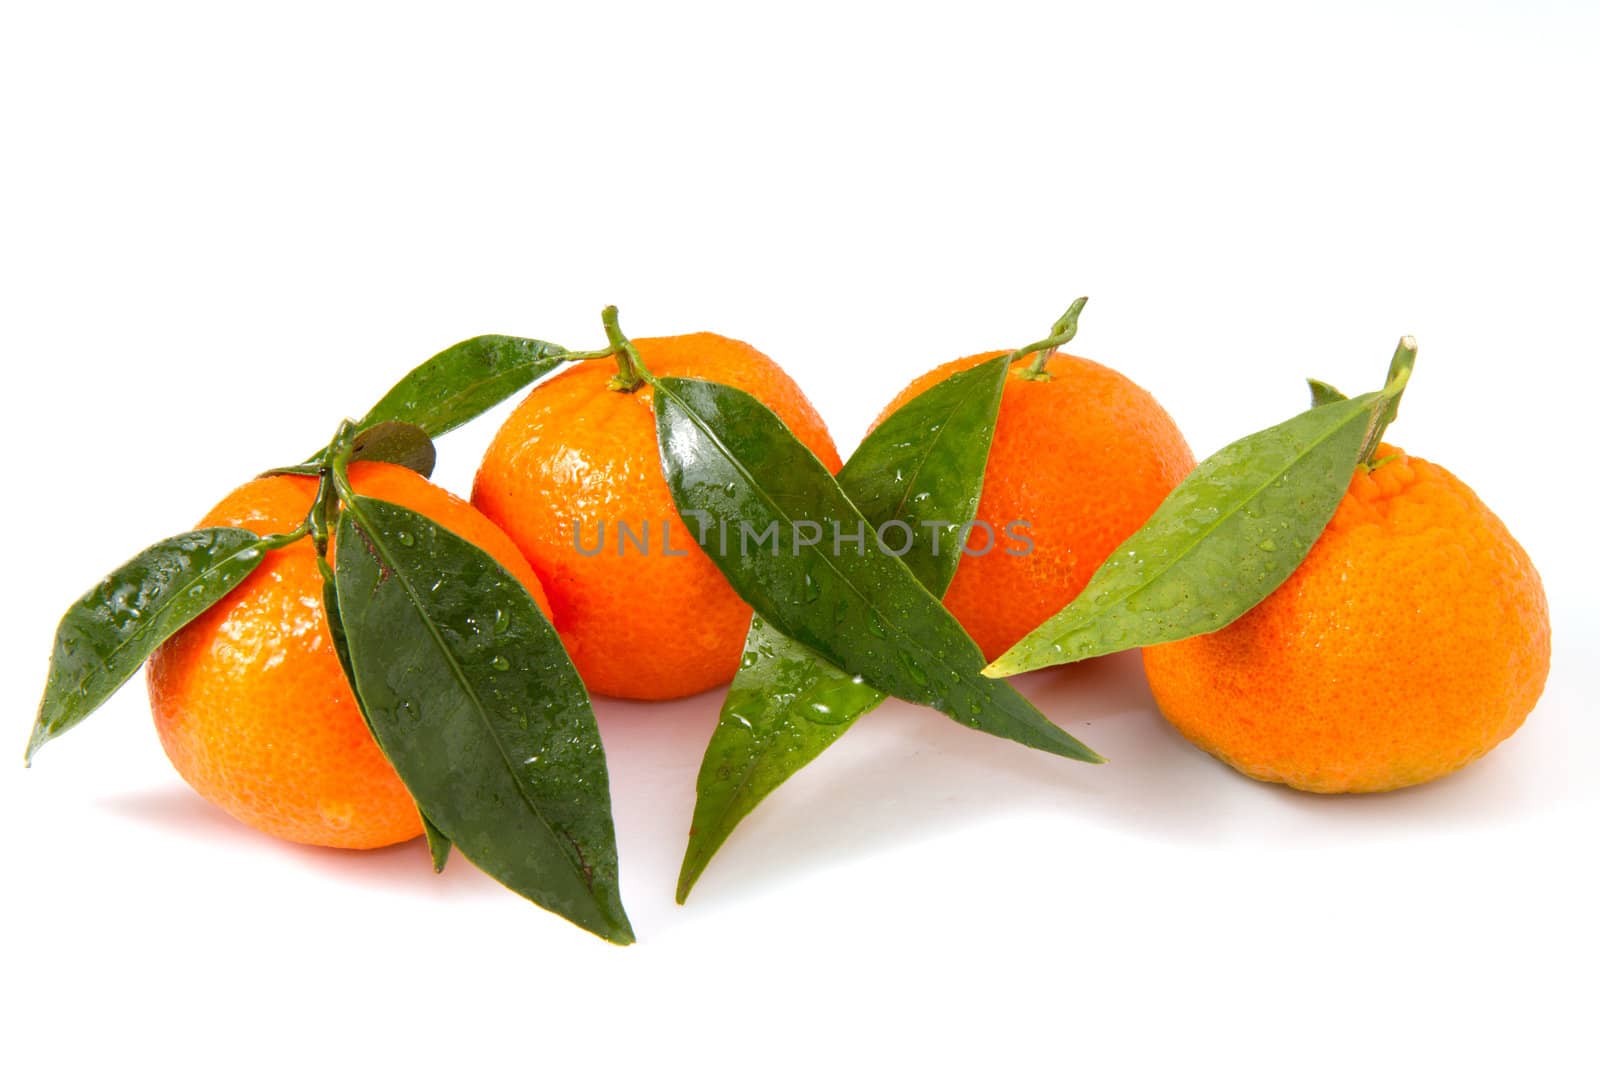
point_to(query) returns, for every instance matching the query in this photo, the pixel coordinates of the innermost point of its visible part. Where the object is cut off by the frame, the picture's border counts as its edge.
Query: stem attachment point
(1064, 330)
(631, 371)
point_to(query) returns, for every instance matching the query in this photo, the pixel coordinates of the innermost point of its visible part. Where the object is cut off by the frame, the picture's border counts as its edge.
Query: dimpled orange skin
(249, 699)
(642, 626)
(1084, 458)
(1413, 639)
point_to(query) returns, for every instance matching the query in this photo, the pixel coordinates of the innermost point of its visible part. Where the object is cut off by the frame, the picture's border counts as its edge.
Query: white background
(226, 226)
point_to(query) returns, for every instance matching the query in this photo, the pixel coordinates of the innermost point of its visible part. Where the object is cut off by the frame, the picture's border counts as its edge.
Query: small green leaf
(394, 442)
(474, 701)
(108, 634)
(438, 843)
(729, 460)
(464, 381)
(1222, 541)
(786, 704)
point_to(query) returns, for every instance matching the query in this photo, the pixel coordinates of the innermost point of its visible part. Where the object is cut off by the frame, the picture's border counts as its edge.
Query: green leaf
(464, 381)
(438, 843)
(924, 465)
(394, 442)
(1221, 542)
(786, 704)
(108, 634)
(475, 703)
(729, 460)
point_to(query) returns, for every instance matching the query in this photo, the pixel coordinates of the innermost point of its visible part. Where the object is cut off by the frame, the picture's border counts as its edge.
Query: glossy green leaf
(924, 467)
(438, 843)
(464, 381)
(1221, 542)
(394, 442)
(108, 634)
(475, 703)
(786, 705)
(732, 465)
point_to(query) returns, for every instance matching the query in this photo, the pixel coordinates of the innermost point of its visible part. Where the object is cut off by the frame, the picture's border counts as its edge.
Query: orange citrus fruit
(576, 462)
(1413, 639)
(251, 704)
(1083, 457)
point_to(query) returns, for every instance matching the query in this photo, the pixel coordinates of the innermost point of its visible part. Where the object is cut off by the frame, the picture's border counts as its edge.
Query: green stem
(1064, 330)
(339, 475)
(1388, 406)
(325, 508)
(309, 469)
(320, 519)
(273, 542)
(631, 371)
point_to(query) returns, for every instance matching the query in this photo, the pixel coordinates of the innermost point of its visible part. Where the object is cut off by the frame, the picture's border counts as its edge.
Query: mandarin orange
(249, 699)
(1413, 639)
(574, 476)
(1081, 457)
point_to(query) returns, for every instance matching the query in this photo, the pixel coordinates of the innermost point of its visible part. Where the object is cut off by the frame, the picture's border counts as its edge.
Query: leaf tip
(1074, 749)
(1323, 393)
(1001, 668)
(620, 932)
(1405, 354)
(36, 740)
(438, 844)
(687, 878)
